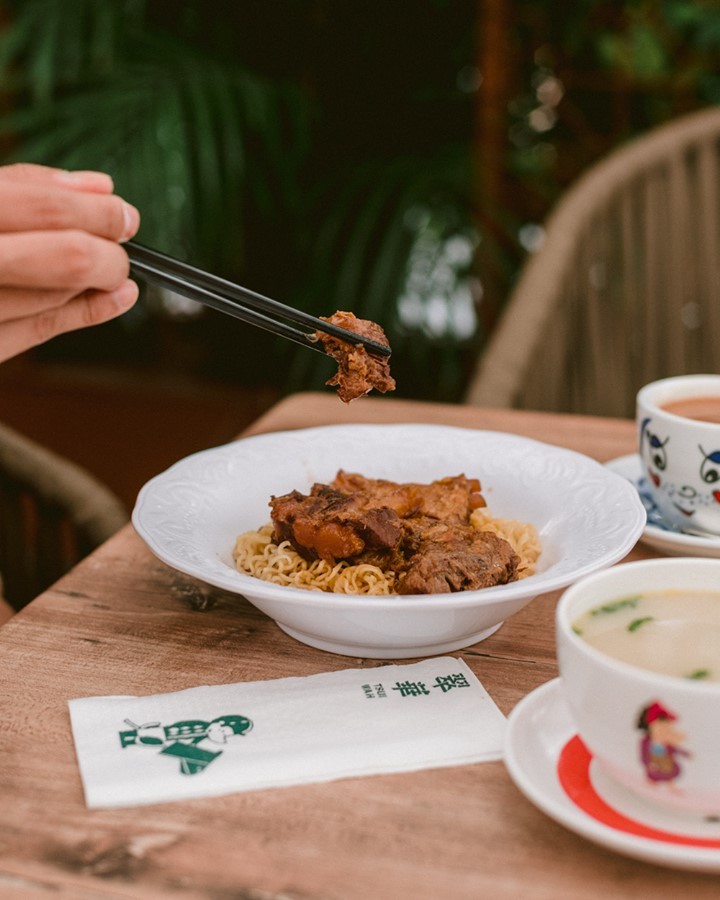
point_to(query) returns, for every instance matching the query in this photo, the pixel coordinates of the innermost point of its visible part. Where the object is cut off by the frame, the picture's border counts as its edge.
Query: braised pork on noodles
(365, 535)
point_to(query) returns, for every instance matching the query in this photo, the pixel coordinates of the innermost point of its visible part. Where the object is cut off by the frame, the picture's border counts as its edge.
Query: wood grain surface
(124, 623)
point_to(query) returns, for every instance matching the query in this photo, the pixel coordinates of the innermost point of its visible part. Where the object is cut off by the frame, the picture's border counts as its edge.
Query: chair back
(625, 287)
(52, 514)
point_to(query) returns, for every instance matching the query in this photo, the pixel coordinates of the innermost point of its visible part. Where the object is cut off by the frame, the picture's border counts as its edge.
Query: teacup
(679, 444)
(653, 733)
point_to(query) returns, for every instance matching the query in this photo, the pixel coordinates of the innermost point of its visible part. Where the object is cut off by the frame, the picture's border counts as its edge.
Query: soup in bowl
(639, 658)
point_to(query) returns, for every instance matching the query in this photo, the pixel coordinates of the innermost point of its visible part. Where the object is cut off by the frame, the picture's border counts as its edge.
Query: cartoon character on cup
(660, 744)
(710, 471)
(688, 499)
(653, 452)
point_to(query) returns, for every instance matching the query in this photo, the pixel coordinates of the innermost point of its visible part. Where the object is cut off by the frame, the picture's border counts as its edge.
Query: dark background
(392, 158)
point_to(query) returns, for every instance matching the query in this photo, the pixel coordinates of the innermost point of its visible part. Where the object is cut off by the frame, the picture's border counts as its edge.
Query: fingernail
(86, 180)
(125, 296)
(131, 222)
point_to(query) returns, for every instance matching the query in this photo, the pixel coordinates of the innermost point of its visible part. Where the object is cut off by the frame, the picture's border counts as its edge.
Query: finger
(94, 182)
(59, 260)
(88, 309)
(18, 303)
(33, 207)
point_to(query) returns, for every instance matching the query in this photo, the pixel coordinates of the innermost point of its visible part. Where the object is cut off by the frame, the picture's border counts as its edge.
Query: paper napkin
(214, 740)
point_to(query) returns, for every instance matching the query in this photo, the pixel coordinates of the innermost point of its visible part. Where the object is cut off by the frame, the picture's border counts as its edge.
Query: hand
(61, 263)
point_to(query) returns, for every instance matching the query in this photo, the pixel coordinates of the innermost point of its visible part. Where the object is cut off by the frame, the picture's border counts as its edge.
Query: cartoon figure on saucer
(660, 744)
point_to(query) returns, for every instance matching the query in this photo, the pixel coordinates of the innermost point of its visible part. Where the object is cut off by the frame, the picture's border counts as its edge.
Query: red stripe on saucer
(573, 770)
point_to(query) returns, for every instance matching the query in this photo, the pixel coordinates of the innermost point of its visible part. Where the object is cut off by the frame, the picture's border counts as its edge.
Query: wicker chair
(52, 514)
(626, 285)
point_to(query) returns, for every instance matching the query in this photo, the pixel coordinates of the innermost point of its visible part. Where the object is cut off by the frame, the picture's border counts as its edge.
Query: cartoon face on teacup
(687, 496)
(680, 456)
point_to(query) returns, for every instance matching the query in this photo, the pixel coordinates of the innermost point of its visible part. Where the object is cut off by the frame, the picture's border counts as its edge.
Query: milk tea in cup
(678, 422)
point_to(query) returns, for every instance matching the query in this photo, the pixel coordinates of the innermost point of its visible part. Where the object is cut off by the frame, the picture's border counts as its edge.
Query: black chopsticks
(240, 302)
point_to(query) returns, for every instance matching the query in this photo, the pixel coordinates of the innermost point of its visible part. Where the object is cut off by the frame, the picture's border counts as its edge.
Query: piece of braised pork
(437, 557)
(331, 525)
(358, 371)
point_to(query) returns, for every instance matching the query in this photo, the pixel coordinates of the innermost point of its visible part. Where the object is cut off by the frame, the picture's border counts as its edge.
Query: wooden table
(124, 623)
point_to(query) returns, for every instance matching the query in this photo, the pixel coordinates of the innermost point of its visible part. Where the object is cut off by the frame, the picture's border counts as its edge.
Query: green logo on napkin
(181, 739)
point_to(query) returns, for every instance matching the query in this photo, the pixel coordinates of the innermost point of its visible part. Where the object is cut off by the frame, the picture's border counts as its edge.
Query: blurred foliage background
(396, 159)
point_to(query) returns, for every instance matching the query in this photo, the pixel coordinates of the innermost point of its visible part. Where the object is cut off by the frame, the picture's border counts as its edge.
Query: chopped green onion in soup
(674, 632)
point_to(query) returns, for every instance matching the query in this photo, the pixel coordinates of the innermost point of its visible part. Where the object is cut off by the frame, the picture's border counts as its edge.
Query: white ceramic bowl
(587, 518)
(607, 697)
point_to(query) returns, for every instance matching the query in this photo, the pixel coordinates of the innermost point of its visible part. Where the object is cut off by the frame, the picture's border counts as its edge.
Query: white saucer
(540, 734)
(658, 533)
